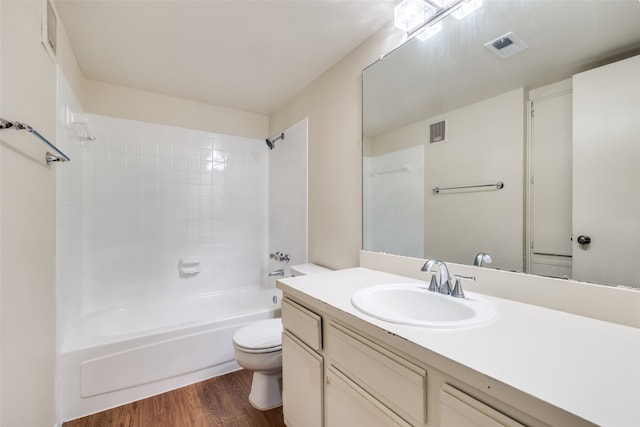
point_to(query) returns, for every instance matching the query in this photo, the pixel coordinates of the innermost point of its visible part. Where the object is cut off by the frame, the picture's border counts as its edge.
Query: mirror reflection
(514, 133)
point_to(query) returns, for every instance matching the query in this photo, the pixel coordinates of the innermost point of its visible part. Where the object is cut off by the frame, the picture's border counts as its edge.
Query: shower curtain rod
(49, 158)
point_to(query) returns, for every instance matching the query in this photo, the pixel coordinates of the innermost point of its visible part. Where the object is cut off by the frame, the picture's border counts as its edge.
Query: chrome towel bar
(497, 185)
(380, 171)
(49, 158)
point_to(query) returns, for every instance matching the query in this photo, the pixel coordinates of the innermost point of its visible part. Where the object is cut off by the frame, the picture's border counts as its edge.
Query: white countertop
(586, 367)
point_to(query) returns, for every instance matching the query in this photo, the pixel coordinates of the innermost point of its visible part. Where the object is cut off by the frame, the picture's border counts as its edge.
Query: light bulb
(412, 13)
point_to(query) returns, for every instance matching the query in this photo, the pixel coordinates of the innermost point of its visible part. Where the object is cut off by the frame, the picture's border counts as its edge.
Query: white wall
(288, 197)
(27, 222)
(333, 104)
(117, 101)
(484, 145)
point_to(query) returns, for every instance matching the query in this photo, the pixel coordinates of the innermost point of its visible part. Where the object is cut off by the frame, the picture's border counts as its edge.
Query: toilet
(258, 348)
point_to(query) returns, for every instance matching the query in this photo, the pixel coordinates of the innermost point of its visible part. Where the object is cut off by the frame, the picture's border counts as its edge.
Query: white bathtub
(132, 352)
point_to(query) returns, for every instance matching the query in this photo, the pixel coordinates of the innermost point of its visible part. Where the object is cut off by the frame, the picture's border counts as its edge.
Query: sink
(412, 304)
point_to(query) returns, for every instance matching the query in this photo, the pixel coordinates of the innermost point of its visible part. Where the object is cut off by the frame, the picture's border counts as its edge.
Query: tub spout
(279, 272)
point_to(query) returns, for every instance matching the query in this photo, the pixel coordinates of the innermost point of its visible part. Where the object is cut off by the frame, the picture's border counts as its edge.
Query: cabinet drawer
(458, 409)
(396, 382)
(303, 323)
(350, 405)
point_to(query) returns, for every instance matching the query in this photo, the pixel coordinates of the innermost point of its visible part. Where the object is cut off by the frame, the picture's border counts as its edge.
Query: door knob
(584, 240)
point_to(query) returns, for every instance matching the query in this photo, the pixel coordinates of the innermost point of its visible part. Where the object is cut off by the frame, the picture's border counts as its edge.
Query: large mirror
(513, 132)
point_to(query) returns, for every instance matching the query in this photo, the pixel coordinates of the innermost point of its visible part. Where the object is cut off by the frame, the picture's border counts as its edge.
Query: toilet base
(266, 390)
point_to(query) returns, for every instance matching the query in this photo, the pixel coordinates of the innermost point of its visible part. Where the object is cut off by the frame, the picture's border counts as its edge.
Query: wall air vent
(437, 132)
(506, 45)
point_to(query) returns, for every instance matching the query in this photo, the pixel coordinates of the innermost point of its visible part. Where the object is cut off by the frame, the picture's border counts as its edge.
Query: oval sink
(412, 304)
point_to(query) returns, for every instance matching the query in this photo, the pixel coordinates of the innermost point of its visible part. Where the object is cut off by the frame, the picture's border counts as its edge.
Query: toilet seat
(263, 336)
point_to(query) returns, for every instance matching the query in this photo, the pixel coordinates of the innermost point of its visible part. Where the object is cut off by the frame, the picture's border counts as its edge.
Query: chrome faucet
(444, 286)
(279, 272)
(482, 257)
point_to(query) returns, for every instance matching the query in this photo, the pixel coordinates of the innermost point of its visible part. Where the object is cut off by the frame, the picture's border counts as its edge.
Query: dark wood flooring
(220, 401)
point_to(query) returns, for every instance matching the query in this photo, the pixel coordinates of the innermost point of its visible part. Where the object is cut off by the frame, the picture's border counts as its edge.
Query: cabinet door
(394, 381)
(348, 405)
(458, 409)
(302, 372)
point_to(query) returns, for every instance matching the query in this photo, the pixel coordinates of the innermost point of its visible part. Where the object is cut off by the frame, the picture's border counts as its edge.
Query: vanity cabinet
(397, 384)
(302, 366)
(347, 382)
(458, 409)
(339, 371)
(348, 404)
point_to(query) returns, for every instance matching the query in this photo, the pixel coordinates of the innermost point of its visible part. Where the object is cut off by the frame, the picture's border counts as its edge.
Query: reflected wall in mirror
(558, 123)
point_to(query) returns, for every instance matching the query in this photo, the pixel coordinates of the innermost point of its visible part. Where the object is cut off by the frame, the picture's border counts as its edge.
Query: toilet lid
(260, 335)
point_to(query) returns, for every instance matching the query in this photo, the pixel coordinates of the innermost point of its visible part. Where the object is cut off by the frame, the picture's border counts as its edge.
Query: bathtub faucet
(279, 272)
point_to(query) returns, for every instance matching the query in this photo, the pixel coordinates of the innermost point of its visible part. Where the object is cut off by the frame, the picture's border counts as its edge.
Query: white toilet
(258, 348)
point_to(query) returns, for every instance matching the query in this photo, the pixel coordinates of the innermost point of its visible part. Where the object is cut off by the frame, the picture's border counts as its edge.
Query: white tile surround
(143, 196)
(288, 227)
(385, 204)
(154, 194)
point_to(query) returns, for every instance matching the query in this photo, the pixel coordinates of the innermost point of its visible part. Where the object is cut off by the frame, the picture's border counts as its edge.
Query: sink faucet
(444, 286)
(482, 257)
(279, 272)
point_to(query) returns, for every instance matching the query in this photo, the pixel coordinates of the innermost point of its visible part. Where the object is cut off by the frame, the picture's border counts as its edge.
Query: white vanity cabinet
(357, 377)
(302, 366)
(532, 365)
(394, 387)
(348, 404)
(458, 409)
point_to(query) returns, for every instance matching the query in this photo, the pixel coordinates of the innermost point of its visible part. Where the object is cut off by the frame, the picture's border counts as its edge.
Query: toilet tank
(305, 269)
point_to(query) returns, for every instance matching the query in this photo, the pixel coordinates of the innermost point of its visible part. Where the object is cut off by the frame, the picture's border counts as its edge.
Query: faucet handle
(457, 289)
(433, 284)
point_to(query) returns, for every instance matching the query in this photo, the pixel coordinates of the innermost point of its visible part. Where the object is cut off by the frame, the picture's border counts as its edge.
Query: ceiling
(246, 55)
(423, 79)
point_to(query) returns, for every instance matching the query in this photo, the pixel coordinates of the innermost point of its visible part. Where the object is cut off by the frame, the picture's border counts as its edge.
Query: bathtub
(128, 353)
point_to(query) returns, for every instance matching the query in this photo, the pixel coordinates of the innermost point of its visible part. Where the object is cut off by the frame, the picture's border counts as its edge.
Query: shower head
(272, 142)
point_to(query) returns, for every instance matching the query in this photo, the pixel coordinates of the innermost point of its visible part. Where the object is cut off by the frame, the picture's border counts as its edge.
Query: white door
(606, 173)
(550, 180)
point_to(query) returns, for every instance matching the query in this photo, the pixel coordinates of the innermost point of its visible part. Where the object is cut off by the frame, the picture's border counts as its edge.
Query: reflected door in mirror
(606, 173)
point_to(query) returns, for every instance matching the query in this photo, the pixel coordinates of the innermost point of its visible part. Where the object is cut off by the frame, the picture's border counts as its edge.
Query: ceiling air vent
(437, 132)
(506, 45)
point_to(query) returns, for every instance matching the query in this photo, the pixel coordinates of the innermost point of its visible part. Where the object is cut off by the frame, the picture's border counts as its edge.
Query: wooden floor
(220, 401)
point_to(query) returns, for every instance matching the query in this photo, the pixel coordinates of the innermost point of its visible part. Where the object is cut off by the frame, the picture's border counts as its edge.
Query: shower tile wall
(69, 184)
(384, 204)
(288, 197)
(153, 195)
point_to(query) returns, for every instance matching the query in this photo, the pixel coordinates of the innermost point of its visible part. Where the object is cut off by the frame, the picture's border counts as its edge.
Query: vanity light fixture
(430, 31)
(422, 18)
(410, 14)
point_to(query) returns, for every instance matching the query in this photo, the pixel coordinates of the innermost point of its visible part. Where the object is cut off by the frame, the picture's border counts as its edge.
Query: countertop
(586, 367)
